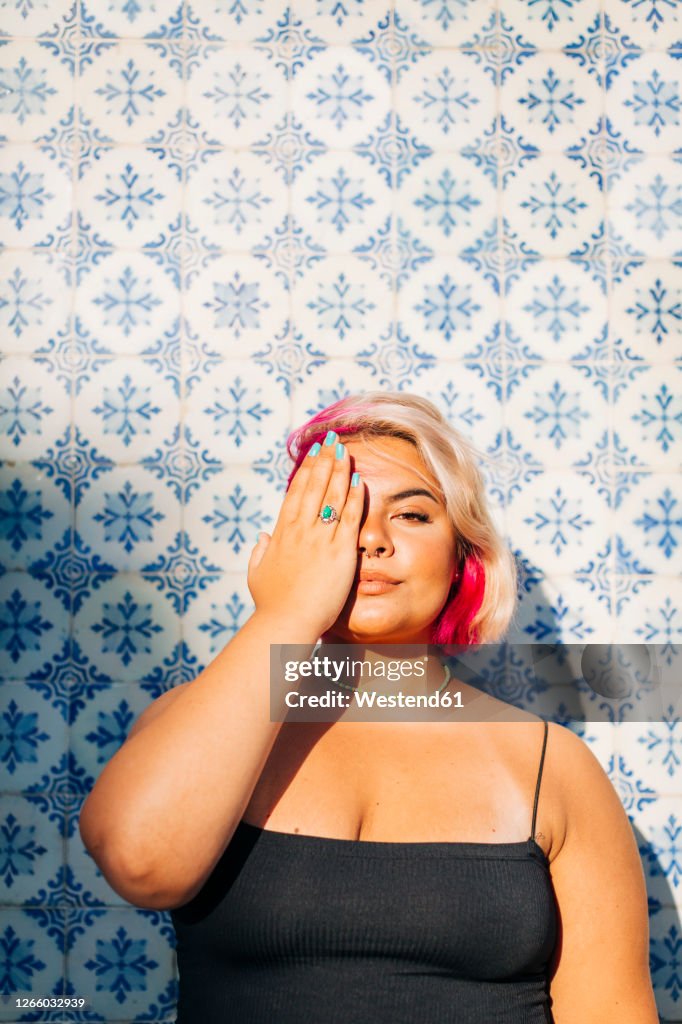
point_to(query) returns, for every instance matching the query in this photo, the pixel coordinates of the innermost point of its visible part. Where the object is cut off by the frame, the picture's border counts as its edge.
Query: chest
(423, 783)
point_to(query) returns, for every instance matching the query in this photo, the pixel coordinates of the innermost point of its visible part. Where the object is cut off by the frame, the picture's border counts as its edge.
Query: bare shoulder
(155, 708)
(574, 787)
(578, 770)
(593, 816)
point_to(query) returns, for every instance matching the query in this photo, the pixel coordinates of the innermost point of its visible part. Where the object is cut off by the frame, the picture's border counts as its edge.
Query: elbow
(121, 869)
(135, 883)
(128, 875)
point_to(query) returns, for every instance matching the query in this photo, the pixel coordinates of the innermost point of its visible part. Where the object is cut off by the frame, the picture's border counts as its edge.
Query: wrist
(286, 629)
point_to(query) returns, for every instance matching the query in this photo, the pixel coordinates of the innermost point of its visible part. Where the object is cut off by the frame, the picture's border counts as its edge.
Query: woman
(363, 871)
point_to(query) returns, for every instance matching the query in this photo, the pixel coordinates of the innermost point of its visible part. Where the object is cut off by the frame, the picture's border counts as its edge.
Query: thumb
(259, 549)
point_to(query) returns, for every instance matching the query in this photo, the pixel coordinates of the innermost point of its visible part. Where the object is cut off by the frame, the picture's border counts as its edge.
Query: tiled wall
(219, 218)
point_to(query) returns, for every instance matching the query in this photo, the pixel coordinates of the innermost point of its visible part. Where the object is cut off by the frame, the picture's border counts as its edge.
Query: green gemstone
(326, 512)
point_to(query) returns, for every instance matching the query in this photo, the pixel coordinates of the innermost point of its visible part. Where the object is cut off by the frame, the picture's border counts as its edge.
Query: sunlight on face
(414, 543)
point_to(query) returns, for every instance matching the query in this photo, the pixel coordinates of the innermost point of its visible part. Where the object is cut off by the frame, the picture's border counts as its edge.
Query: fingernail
(331, 437)
(315, 448)
(339, 451)
(355, 480)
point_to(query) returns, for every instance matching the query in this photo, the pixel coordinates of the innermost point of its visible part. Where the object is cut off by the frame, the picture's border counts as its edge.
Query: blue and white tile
(559, 609)
(339, 201)
(126, 304)
(31, 847)
(664, 958)
(35, 624)
(33, 733)
(646, 206)
(226, 603)
(103, 725)
(341, 96)
(447, 308)
(122, 960)
(449, 203)
(650, 520)
(650, 23)
(447, 22)
(131, 18)
(132, 195)
(239, 23)
(127, 517)
(33, 17)
(34, 304)
(660, 825)
(647, 610)
(238, 199)
(549, 100)
(553, 206)
(34, 941)
(342, 307)
(127, 626)
(34, 409)
(336, 22)
(646, 312)
(126, 409)
(446, 101)
(549, 24)
(233, 411)
(559, 415)
(236, 305)
(127, 95)
(233, 97)
(556, 308)
(36, 196)
(565, 521)
(648, 417)
(225, 514)
(658, 752)
(35, 512)
(645, 103)
(36, 91)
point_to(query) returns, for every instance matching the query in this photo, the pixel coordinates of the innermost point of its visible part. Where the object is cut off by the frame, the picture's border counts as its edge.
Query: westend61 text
(370, 699)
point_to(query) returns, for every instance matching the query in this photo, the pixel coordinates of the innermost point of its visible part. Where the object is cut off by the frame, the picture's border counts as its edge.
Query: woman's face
(414, 543)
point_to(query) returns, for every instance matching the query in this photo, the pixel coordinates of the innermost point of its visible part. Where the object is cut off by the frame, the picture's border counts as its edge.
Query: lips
(381, 576)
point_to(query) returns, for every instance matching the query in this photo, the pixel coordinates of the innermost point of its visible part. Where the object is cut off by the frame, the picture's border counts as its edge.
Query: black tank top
(291, 928)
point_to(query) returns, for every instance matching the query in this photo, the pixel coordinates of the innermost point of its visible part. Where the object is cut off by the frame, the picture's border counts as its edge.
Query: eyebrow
(411, 492)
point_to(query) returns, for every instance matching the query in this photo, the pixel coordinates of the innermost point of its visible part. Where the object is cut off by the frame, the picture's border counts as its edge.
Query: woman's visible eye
(421, 516)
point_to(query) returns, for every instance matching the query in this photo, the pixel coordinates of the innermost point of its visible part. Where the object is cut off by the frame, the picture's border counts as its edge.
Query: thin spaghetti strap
(537, 787)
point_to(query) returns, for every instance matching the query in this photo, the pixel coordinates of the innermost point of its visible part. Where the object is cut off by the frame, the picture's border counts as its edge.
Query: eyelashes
(421, 516)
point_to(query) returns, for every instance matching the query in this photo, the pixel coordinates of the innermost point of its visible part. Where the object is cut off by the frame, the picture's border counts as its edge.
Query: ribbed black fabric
(298, 929)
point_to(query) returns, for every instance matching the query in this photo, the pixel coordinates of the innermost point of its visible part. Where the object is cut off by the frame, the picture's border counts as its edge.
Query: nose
(373, 538)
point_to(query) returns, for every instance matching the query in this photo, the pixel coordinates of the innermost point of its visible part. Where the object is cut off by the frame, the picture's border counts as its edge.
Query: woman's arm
(166, 805)
(600, 973)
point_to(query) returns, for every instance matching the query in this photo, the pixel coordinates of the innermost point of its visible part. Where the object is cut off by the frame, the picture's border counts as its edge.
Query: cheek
(433, 564)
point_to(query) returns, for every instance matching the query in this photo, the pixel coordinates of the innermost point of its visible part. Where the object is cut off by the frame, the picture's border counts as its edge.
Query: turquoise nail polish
(355, 480)
(315, 448)
(331, 437)
(339, 451)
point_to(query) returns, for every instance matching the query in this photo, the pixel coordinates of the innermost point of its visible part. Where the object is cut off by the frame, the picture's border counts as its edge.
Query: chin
(357, 630)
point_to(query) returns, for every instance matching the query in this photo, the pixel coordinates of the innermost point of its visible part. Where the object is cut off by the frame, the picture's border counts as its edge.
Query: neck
(421, 670)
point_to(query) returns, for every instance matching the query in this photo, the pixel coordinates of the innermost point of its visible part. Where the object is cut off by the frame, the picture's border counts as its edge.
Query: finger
(313, 473)
(334, 493)
(348, 526)
(258, 551)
